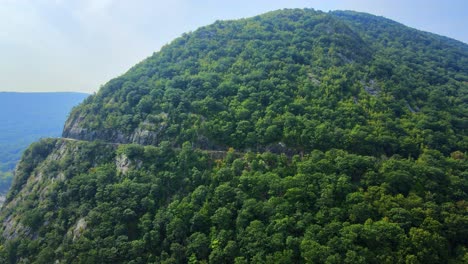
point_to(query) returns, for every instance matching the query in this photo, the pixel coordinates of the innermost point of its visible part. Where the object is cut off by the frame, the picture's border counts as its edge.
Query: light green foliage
(307, 79)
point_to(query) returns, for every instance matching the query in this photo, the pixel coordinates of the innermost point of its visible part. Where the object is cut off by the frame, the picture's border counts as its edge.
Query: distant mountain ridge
(27, 117)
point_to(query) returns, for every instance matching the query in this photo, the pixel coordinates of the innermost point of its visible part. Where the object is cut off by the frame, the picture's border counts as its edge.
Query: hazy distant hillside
(26, 117)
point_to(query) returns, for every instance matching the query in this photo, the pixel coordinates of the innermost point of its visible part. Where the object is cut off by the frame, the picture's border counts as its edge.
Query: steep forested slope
(296, 136)
(27, 117)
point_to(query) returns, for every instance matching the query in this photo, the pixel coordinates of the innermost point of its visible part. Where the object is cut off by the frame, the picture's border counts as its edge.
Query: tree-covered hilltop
(290, 79)
(296, 136)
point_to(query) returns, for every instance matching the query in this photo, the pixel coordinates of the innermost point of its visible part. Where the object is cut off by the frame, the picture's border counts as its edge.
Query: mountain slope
(225, 87)
(296, 136)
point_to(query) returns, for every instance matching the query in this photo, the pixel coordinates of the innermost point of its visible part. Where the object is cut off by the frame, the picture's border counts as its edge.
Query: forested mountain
(27, 117)
(296, 136)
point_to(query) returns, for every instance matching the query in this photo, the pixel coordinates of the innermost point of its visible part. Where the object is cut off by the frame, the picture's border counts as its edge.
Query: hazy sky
(78, 45)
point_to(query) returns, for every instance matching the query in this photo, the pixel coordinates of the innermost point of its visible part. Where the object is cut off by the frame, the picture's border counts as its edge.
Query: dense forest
(296, 136)
(25, 118)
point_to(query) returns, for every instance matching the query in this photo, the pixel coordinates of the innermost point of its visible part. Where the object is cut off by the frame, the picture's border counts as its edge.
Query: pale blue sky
(78, 45)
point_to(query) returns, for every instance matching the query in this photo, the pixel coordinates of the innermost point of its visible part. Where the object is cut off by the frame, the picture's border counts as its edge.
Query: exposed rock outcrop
(146, 134)
(38, 183)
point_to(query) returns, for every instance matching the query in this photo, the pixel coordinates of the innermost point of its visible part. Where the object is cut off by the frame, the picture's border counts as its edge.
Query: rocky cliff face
(40, 181)
(146, 134)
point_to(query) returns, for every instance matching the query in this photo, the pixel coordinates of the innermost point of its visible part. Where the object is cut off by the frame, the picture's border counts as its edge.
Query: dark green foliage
(322, 207)
(292, 137)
